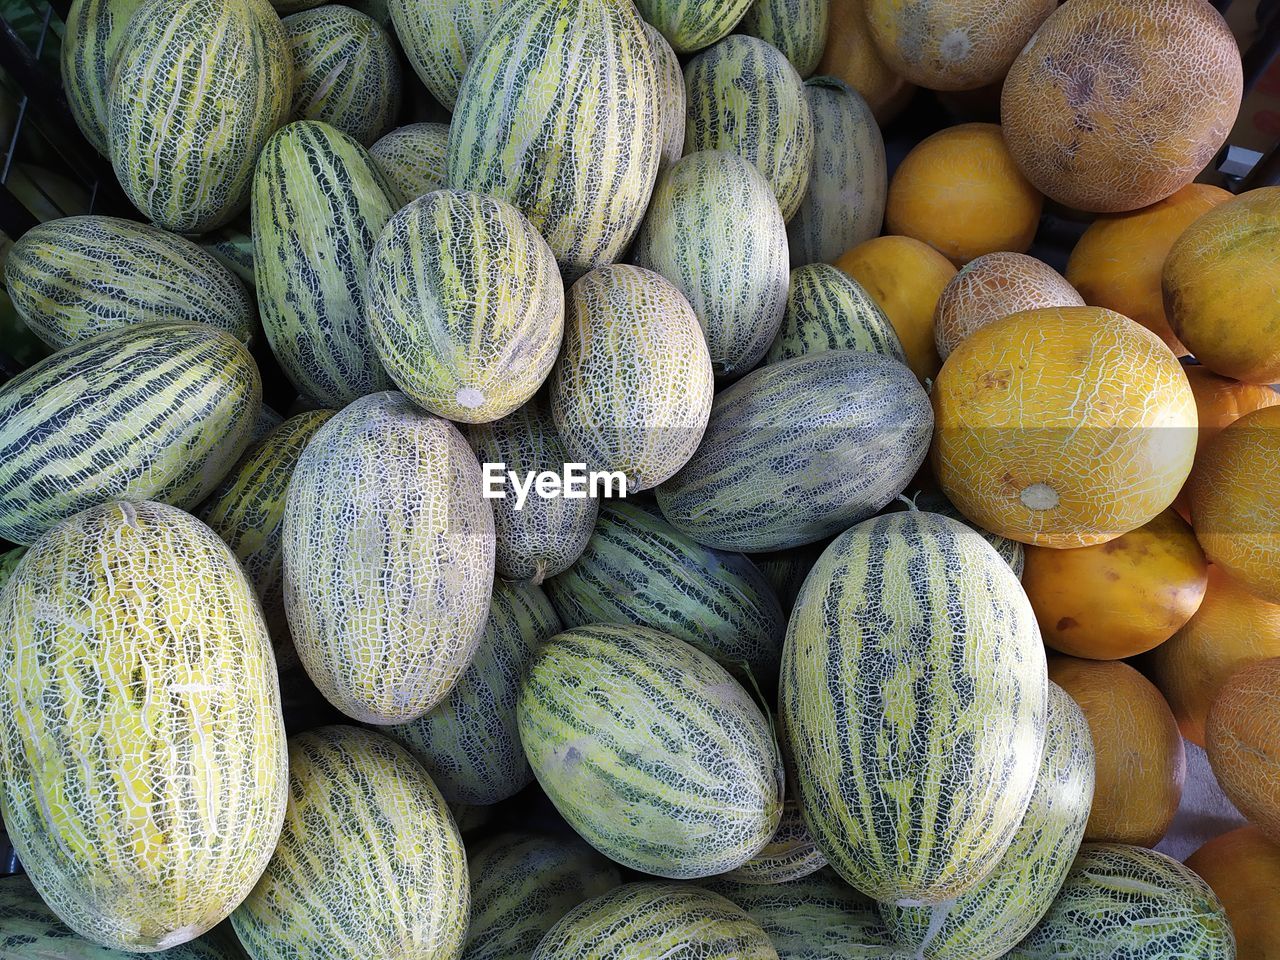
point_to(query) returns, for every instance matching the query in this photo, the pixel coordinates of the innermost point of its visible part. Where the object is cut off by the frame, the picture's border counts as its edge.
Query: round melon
(362, 816)
(988, 922)
(388, 559)
(558, 113)
(1141, 762)
(828, 310)
(671, 99)
(189, 109)
(412, 159)
(1243, 868)
(851, 56)
(158, 411)
(1063, 427)
(1218, 290)
(960, 192)
(991, 287)
(913, 648)
(631, 391)
(1117, 261)
(1242, 738)
(1113, 106)
(735, 279)
(790, 854)
(743, 96)
(799, 450)
(8, 561)
(346, 72)
(848, 180)
(690, 25)
(465, 305)
(440, 38)
(143, 760)
(89, 45)
(798, 28)
(1123, 901)
(76, 277)
(650, 750)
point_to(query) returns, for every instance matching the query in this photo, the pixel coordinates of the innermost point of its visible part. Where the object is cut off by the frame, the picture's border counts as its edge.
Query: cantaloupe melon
(1243, 868)
(671, 98)
(1242, 738)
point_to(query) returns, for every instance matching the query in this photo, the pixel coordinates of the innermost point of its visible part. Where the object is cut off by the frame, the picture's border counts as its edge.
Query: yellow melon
(851, 55)
(1243, 868)
(1242, 738)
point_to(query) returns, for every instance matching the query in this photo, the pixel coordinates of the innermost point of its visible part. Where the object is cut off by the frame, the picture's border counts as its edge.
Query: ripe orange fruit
(1243, 868)
(1242, 738)
(852, 56)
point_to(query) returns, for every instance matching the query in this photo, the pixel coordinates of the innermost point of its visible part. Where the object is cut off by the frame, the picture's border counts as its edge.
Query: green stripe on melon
(89, 45)
(789, 855)
(412, 159)
(690, 25)
(934, 501)
(671, 102)
(440, 37)
(828, 310)
(233, 246)
(798, 28)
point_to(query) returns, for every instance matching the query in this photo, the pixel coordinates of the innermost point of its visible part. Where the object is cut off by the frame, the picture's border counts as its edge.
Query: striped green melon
(440, 37)
(268, 420)
(319, 204)
(469, 742)
(80, 276)
(988, 922)
(789, 855)
(786, 569)
(1130, 902)
(190, 108)
(656, 920)
(743, 96)
(547, 534)
(799, 450)
(159, 411)
(935, 501)
(650, 750)
(848, 179)
(632, 388)
(247, 510)
(412, 159)
(828, 310)
(638, 569)
(734, 278)
(369, 862)
(690, 25)
(558, 114)
(346, 72)
(798, 28)
(388, 559)
(671, 103)
(465, 305)
(522, 883)
(89, 45)
(233, 246)
(914, 695)
(143, 752)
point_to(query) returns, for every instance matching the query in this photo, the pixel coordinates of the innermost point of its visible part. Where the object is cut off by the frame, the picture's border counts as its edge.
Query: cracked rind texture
(76, 277)
(197, 88)
(843, 204)
(932, 501)
(735, 279)
(233, 247)
(1063, 427)
(1113, 106)
(651, 751)
(89, 46)
(789, 855)
(388, 559)
(346, 71)
(913, 648)
(469, 742)
(991, 287)
(988, 922)
(412, 159)
(144, 756)
(546, 535)
(159, 411)
(671, 99)
(632, 388)
(1242, 736)
(745, 97)
(642, 920)
(558, 114)
(798, 28)
(1122, 901)
(465, 306)
(799, 450)
(638, 569)
(247, 512)
(440, 37)
(828, 310)
(319, 204)
(363, 816)
(690, 25)
(522, 883)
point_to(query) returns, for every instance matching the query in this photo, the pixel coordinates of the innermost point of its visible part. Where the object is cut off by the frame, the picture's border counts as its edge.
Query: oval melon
(440, 38)
(1242, 738)
(828, 310)
(1243, 868)
(797, 28)
(412, 159)
(690, 25)
(89, 45)
(1221, 401)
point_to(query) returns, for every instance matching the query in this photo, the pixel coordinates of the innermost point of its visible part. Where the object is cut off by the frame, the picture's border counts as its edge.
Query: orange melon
(851, 55)
(994, 286)
(905, 277)
(1243, 868)
(1117, 262)
(960, 192)
(1141, 762)
(1234, 495)
(1220, 290)
(1242, 738)
(1119, 598)
(1062, 427)
(1232, 628)
(1113, 106)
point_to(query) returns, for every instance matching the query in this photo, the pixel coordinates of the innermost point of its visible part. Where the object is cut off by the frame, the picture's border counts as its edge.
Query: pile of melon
(929, 558)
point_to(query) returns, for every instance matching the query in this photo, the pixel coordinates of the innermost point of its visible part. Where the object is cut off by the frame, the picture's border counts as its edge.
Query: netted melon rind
(798, 28)
(440, 37)
(789, 855)
(828, 310)
(412, 159)
(671, 101)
